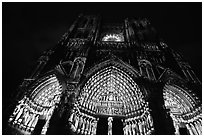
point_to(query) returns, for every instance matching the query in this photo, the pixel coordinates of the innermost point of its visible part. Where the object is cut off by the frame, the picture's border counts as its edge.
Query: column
(89, 128)
(71, 117)
(86, 126)
(189, 129)
(137, 128)
(133, 127)
(140, 127)
(110, 119)
(95, 126)
(129, 127)
(83, 125)
(31, 121)
(199, 127)
(16, 112)
(176, 128)
(151, 121)
(74, 68)
(35, 120)
(80, 124)
(48, 117)
(145, 125)
(193, 129)
(124, 127)
(27, 118)
(93, 131)
(76, 122)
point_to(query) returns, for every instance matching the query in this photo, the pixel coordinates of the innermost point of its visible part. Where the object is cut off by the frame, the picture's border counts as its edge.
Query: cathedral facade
(108, 79)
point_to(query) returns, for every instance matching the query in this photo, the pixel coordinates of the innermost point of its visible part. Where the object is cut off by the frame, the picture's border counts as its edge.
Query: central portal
(110, 126)
(111, 103)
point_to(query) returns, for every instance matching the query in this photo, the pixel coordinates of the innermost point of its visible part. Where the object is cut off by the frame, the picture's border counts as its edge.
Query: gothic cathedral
(108, 79)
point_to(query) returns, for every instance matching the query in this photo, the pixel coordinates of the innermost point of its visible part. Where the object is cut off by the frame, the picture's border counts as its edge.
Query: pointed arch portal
(186, 116)
(33, 113)
(111, 92)
(109, 102)
(108, 97)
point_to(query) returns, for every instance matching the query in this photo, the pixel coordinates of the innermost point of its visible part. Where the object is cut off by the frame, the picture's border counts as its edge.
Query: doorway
(117, 126)
(102, 126)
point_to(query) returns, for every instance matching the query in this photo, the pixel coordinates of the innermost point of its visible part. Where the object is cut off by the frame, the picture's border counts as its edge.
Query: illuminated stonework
(108, 80)
(111, 92)
(183, 110)
(39, 105)
(113, 37)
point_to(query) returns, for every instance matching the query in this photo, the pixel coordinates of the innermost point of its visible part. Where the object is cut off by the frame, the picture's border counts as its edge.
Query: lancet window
(146, 69)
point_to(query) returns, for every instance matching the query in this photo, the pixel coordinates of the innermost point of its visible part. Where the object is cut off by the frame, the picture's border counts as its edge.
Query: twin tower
(108, 79)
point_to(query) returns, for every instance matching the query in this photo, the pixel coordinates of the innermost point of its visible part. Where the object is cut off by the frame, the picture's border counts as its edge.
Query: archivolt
(183, 109)
(112, 92)
(113, 61)
(178, 99)
(40, 104)
(48, 92)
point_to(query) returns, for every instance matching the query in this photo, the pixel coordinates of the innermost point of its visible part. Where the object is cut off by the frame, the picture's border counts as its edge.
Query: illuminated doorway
(112, 93)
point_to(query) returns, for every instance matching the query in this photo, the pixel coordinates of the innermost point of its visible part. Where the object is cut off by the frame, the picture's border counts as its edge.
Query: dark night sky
(31, 28)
